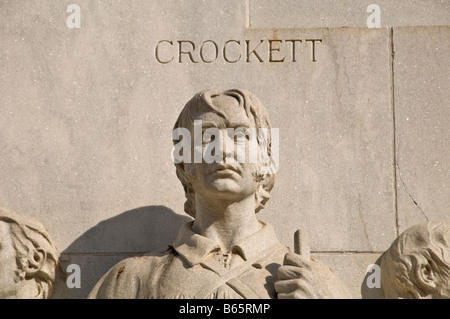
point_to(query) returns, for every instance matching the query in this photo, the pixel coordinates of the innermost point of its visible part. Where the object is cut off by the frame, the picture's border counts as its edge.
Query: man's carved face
(230, 178)
(8, 264)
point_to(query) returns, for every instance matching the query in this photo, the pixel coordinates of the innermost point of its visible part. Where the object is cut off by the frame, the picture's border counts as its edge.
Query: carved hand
(299, 278)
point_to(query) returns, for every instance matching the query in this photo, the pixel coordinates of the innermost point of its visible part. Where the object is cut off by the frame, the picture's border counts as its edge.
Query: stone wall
(86, 116)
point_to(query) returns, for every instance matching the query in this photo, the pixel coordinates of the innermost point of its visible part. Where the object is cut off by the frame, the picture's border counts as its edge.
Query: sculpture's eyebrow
(244, 124)
(208, 124)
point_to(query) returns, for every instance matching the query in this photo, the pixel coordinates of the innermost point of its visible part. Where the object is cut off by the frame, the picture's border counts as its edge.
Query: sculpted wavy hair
(418, 254)
(205, 101)
(36, 256)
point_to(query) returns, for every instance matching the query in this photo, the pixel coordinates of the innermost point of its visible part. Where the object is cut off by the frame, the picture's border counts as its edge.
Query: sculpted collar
(194, 248)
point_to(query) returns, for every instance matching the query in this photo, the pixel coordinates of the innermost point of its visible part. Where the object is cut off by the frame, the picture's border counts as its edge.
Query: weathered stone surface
(86, 117)
(83, 136)
(86, 123)
(339, 140)
(352, 268)
(331, 13)
(422, 117)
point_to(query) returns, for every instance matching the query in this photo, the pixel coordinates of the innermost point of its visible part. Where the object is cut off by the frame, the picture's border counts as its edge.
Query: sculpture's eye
(241, 135)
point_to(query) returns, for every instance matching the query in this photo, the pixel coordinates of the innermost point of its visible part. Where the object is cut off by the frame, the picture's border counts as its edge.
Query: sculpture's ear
(36, 261)
(426, 277)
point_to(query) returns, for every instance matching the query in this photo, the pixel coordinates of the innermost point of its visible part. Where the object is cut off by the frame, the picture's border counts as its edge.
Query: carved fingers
(299, 278)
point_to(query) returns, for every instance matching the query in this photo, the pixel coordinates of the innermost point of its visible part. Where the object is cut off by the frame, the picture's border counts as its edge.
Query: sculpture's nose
(227, 147)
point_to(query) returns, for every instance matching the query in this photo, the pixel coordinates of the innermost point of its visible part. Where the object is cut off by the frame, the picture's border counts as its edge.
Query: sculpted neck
(225, 222)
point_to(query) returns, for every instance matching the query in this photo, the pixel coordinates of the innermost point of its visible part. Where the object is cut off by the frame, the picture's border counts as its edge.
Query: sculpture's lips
(224, 168)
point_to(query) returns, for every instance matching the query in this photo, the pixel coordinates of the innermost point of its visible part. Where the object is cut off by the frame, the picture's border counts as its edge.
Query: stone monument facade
(357, 91)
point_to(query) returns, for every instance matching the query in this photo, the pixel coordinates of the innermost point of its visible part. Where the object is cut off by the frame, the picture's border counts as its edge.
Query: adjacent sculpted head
(243, 114)
(417, 265)
(28, 258)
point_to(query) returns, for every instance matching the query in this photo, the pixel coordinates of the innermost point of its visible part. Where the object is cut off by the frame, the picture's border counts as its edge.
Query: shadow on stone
(371, 293)
(128, 234)
(137, 230)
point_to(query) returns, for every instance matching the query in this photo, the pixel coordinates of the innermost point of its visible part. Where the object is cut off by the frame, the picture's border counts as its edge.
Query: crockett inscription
(232, 51)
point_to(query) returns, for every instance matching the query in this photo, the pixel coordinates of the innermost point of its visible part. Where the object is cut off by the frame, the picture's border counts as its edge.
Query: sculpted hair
(420, 245)
(36, 256)
(255, 111)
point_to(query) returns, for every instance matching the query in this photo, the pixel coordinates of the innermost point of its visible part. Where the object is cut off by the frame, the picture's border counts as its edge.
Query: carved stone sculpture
(226, 252)
(417, 265)
(28, 259)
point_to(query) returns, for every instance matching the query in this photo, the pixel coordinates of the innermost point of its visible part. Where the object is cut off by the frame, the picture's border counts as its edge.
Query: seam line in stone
(394, 134)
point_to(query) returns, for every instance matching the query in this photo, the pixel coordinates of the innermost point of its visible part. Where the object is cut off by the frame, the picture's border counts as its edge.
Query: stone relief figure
(226, 252)
(417, 265)
(28, 258)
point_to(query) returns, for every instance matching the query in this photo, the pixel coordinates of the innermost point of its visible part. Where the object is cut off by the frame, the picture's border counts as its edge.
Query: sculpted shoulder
(132, 278)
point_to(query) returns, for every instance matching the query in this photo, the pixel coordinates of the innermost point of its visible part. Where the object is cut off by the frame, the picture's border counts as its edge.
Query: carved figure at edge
(417, 265)
(28, 259)
(226, 252)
